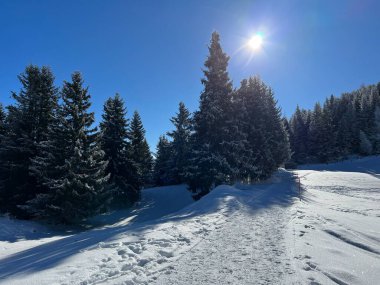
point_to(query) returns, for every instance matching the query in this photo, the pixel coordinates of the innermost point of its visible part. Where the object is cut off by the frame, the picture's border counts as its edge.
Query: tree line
(343, 126)
(56, 165)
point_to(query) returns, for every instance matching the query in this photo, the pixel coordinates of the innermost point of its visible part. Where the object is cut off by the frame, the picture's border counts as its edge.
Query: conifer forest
(57, 165)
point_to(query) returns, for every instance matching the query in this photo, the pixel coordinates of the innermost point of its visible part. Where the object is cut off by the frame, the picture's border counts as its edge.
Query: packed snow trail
(250, 248)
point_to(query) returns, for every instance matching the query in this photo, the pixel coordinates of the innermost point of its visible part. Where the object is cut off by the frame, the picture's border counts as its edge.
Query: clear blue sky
(152, 52)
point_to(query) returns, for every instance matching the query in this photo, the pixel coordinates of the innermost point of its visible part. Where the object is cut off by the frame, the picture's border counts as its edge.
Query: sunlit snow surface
(258, 234)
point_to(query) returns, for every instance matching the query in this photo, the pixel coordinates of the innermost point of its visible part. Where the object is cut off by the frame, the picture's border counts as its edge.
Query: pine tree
(139, 151)
(163, 174)
(250, 100)
(28, 122)
(377, 130)
(266, 142)
(365, 144)
(331, 125)
(213, 138)
(299, 135)
(3, 117)
(180, 145)
(277, 137)
(319, 141)
(72, 165)
(203, 171)
(116, 146)
(245, 123)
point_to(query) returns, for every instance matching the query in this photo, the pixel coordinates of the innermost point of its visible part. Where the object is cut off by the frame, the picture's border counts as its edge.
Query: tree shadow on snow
(51, 254)
(283, 192)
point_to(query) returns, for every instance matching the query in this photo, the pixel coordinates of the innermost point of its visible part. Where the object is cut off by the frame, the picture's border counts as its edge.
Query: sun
(256, 42)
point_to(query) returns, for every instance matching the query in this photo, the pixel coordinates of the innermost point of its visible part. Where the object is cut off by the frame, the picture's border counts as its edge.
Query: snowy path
(250, 248)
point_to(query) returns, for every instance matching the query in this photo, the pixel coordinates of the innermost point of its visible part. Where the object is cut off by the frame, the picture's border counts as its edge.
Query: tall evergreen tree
(28, 123)
(139, 151)
(163, 174)
(3, 117)
(180, 145)
(72, 165)
(212, 121)
(116, 146)
(266, 140)
(377, 130)
(250, 101)
(365, 144)
(319, 140)
(277, 137)
(299, 135)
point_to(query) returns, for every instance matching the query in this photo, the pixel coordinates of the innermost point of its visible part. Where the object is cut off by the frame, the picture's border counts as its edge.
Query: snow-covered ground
(336, 230)
(257, 234)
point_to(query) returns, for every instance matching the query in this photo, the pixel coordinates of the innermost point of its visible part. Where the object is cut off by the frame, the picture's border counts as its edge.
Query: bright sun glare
(256, 42)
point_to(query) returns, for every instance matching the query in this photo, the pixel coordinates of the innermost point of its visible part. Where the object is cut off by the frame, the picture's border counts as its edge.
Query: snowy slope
(257, 234)
(336, 232)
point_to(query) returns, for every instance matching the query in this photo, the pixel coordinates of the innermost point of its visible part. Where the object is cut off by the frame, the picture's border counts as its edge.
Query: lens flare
(255, 42)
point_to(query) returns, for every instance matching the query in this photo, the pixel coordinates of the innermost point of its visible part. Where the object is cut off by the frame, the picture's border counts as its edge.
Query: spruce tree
(3, 117)
(319, 141)
(266, 140)
(331, 125)
(180, 145)
(377, 130)
(365, 144)
(72, 165)
(299, 135)
(28, 122)
(277, 137)
(250, 100)
(139, 151)
(162, 174)
(115, 144)
(213, 137)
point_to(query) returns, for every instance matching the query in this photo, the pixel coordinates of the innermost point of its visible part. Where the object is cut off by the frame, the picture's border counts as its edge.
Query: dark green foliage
(343, 126)
(237, 135)
(180, 145)
(266, 145)
(205, 170)
(162, 174)
(3, 117)
(139, 151)
(72, 165)
(212, 121)
(115, 144)
(28, 122)
(319, 140)
(299, 135)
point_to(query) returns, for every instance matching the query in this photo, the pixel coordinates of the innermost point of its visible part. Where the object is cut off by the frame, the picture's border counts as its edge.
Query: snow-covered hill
(257, 234)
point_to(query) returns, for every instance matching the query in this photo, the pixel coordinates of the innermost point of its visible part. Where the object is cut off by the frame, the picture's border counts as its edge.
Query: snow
(336, 229)
(243, 234)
